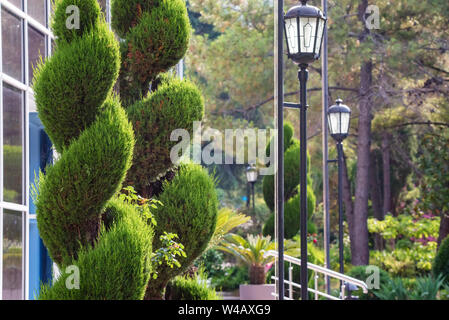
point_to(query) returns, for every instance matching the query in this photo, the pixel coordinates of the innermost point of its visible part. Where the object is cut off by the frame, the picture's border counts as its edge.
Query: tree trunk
(360, 254)
(376, 199)
(386, 165)
(349, 205)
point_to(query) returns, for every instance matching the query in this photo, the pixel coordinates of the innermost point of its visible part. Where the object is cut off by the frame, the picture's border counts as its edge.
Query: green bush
(175, 105)
(72, 85)
(190, 211)
(91, 131)
(441, 262)
(116, 268)
(89, 15)
(156, 36)
(291, 189)
(231, 279)
(185, 288)
(360, 272)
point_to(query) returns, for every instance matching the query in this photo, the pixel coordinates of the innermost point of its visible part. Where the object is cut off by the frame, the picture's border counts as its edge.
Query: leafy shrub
(427, 288)
(211, 261)
(291, 188)
(190, 211)
(394, 289)
(185, 288)
(231, 279)
(360, 272)
(441, 262)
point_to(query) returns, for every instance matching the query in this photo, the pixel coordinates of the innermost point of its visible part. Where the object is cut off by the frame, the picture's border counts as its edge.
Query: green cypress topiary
(95, 140)
(155, 36)
(291, 189)
(441, 262)
(190, 211)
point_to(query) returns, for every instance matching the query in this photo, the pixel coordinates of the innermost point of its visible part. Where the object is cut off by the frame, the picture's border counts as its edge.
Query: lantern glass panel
(291, 28)
(334, 123)
(307, 27)
(319, 36)
(345, 123)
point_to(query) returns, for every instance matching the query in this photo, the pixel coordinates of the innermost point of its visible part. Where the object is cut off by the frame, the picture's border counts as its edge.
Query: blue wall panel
(40, 155)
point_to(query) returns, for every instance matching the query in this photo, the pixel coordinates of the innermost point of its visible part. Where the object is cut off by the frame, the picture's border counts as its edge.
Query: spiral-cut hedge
(292, 210)
(155, 36)
(95, 140)
(190, 211)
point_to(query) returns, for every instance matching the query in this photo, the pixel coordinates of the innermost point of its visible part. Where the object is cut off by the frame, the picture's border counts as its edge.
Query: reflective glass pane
(334, 123)
(38, 10)
(17, 3)
(12, 255)
(12, 45)
(291, 29)
(36, 49)
(12, 144)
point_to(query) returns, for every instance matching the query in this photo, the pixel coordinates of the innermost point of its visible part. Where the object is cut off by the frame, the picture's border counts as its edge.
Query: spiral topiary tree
(291, 189)
(155, 36)
(91, 132)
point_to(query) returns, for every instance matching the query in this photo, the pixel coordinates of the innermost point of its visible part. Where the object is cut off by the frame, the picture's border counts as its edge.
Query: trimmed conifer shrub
(190, 211)
(117, 267)
(291, 189)
(91, 131)
(441, 262)
(175, 105)
(155, 36)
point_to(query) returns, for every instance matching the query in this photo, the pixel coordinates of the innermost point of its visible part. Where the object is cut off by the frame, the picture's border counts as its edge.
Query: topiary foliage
(190, 211)
(441, 263)
(156, 35)
(292, 198)
(95, 141)
(175, 105)
(118, 266)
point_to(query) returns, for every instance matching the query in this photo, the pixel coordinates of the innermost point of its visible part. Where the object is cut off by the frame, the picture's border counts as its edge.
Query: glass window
(12, 144)
(36, 49)
(12, 255)
(38, 10)
(17, 3)
(12, 45)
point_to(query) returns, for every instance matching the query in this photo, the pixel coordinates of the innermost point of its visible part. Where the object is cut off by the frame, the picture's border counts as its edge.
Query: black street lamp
(252, 175)
(339, 116)
(304, 28)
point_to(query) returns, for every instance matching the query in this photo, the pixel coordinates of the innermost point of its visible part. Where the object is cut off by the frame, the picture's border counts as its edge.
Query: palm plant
(251, 252)
(227, 219)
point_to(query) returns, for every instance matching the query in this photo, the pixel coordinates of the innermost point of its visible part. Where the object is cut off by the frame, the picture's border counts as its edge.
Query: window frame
(27, 97)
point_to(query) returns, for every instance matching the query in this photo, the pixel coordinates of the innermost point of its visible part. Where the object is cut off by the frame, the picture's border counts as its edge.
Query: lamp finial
(304, 2)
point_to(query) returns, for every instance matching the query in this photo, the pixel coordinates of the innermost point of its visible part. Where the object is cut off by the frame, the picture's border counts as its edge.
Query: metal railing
(344, 279)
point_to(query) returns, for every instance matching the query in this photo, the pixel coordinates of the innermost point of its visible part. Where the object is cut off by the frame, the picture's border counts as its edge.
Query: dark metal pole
(248, 196)
(254, 198)
(303, 75)
(340, 207)
(279, 70)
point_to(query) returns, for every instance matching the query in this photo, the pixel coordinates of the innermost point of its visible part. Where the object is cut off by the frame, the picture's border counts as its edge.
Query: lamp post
(252, 175)
(304, 28)
(339, 116)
